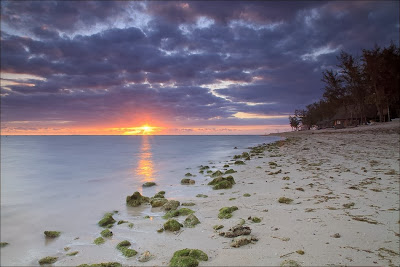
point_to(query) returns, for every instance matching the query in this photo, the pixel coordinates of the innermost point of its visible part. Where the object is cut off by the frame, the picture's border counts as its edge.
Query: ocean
(67, 183)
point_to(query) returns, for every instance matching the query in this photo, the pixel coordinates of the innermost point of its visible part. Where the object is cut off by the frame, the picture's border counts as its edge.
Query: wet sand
(345, 210)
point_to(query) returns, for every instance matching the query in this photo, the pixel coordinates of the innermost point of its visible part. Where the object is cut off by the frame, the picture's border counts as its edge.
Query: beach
(342, 190)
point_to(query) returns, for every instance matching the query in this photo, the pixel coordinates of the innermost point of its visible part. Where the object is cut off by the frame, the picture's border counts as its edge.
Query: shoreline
(321, 171)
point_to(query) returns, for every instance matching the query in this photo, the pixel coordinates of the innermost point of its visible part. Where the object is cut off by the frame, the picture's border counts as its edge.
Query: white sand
(366, 158)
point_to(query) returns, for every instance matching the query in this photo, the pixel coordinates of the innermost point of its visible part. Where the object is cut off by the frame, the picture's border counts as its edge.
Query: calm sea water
(68, 182)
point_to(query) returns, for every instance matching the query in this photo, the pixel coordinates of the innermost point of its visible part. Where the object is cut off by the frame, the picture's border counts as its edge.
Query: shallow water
(67, 183)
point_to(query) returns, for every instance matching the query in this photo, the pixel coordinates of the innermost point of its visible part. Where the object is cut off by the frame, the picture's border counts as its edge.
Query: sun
(146, 129)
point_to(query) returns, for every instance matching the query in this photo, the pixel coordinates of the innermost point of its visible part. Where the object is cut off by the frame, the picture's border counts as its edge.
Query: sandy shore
(324, 171)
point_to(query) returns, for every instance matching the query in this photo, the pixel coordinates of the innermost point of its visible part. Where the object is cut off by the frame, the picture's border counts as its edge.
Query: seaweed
(191, 221)
(124, 243)
(73, 253)
(187, 181)
(222, 182)
(99, 241)
(188, 204)
(230, 171)
(128, 252)
(218, 226)
(239, 162)
(121, 222)
(106, 220)
(172, 225)
(176, 213)
(52, 234)
(48, 260)
(232, 198)
(226, 212)
(188, 258)
(246, 195)
(136, 199)
(148, 184)
(201, 195)
(285, 200)
(106, 233)
(255, 219)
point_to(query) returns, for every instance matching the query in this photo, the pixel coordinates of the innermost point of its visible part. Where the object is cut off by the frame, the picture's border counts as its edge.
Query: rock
(337, 235)
(188, 204)
(148, 184)
(3, 244)
(172, 225)
(145, 256)
(106, 233)
(48, 260)
(176, 213)
(127, 252)
(290, 263)
(136, 199)
(99, 241)
(230, 171)
(285, 200)
(103, 264)
(171, 205)
(255, 219)
(226, 212)
(239, 162)
(158, 202)
(188, 258)
(159, 194)
(124, 243)
(121, 222)
(107, 220)
(218, 226)
(188, 174)
(52, 234)
(222, 182)
(187, 181)
(237, 230)
(217, 174)
(243, 240)
(73, 253)
(191, 221)
(201, 195)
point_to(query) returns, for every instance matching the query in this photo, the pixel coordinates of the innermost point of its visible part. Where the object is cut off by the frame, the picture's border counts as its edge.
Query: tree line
(365, 87)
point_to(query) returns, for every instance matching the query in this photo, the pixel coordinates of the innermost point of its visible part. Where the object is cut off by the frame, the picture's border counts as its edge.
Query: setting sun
(142, 130)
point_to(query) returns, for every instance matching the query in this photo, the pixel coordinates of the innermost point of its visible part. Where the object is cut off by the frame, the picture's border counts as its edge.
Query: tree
(294, 122)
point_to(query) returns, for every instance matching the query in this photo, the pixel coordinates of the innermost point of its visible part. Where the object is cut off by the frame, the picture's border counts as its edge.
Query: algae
(290, 263)
(201, 195)
(73, 253)
(106, 220)
(188, 174)
(171, 205)
(3, 244)
(285, 200)
(158, 202)
(217, 174)
(226, 212)
(188, 204)
(106, 233)
(237, 157)
(222, 182)
(159, 194)
(246, 195)
(130, 225)
(176, 213)
(226, 166)
(103, 264)
(204, 168)
(121, 222)
(52, 234)
(188, 258)
(230, 171)
(209, 171)
(172, 225)
(255, 219)
(122, 244)
(128, 252)
(187, 181)
(235, 231)
(239, 162)
(218, 226)
(136, 199)
(191, 221)
(99, 241)
(48, 260)
(232, 198)
(148, 184)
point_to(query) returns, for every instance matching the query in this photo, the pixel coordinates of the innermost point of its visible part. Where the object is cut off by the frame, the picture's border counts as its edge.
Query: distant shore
(322, 197)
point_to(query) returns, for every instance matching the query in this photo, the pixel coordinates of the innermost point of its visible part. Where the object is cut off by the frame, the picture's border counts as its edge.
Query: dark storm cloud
(95, 68)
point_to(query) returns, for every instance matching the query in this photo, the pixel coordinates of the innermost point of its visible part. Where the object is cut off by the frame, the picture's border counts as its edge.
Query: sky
(175, 67)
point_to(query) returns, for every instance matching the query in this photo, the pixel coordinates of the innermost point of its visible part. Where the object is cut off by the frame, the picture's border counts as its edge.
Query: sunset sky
(111, 67)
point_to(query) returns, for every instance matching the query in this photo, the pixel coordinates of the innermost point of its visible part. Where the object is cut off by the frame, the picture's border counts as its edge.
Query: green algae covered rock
(226, 212)
(187, 181)
(230, 171)
(48, 260)
(239, 162)
(201, 195)
(191, 221)
(106, 233)
(124, 243)
(217, 174)
(290, 263)
(52, 234)
(107, 220)
(285, 200)
(148, 184)
(3, 244)
(73, 253)
(121, 222)
(160, 194)
(136, 199)
(222, 182)
(158, 202)
(171, 205)
(176, 213)
(99, 241)
(172, 225)
(128, 252)
(103, 264)
(188, 204)
(188, 258)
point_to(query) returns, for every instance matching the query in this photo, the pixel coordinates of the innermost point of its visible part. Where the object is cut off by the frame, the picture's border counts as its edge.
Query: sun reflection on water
(145, 168)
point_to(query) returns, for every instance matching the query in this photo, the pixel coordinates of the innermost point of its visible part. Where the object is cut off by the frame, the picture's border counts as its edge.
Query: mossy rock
(226, 212)
(239, 162)
(285, 200)
(202, 168)
(103, 264)
(128, 252)
(106, 233)
(237, 157)
(130, 225)
(172, 225)
(121, 222)
(218, 226)
(230, 171)
(73, 253)
(176, 213)
(123, 244)
(191, 221)
(188, 258)
(107, 220)
(148, 184)
(171, 205)
(188, 204)
(48, 260)
(222, 182)
(3, 244)
(136, 199)
(188, 174)
(52, 234)
(245, 155)
(201, 195)
(187, 181)
(209, 171)
(158, 202)
(226, 166)
(247, 195)
(255, 219)
(160, 194)
(290, 263)
(99, 241)
(217, 174)
(242, 240)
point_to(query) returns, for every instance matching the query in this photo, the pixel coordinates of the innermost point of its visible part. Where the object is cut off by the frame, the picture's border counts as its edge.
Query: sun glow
(142, 130)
